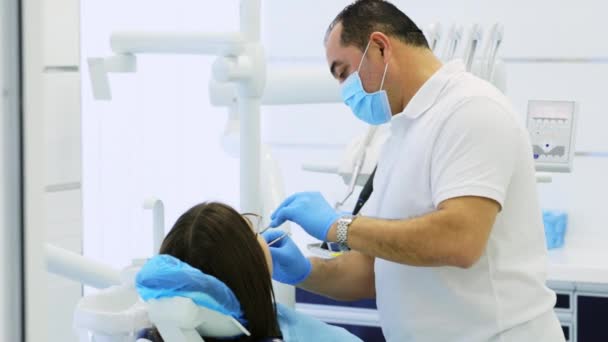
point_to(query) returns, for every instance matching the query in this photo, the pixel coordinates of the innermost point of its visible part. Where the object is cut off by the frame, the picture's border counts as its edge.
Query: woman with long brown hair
(220, 242)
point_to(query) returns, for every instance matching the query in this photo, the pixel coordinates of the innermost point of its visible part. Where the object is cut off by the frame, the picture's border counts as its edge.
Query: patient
(220, 242)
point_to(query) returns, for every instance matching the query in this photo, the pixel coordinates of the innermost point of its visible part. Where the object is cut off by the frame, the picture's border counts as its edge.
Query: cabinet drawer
(564, 301)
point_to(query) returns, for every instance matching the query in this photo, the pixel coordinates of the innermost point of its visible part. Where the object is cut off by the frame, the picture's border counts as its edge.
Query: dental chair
(114, 314)
(183, 304)
(117, 314)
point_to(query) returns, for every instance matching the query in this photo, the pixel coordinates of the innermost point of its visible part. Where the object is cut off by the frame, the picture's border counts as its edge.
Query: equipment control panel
(552, 127)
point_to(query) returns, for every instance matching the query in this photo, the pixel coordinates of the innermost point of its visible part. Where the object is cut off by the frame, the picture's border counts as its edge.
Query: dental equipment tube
(360, 159)
(475, 35)
(454, 37)
(433, 35)
(494, 41)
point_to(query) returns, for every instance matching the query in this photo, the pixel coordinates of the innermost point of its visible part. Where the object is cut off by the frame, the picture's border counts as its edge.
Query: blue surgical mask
(372, 108)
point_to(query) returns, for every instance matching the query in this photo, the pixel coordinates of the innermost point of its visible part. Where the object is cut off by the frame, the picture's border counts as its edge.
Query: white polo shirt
(459, 136)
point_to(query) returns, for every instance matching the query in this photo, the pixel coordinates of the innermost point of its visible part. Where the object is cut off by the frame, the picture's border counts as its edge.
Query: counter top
(579, 261)
(581, 264)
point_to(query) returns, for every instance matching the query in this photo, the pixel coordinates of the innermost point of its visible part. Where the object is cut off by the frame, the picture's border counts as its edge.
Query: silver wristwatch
(342, 230)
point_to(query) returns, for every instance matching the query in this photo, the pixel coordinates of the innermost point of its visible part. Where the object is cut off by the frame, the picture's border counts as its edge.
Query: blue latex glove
(289, 265)
(309, 210)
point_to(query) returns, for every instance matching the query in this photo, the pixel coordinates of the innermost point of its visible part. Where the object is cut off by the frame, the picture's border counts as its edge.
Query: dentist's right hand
(289, 265)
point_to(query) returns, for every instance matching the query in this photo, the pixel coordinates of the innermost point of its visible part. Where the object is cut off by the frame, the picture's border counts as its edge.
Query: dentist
(451, 242)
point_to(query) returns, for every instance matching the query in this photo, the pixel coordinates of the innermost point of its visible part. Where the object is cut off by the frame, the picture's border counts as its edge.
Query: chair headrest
(181, 295)
(183, 313)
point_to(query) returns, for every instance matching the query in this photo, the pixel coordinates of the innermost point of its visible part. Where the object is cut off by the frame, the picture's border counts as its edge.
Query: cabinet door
(591, 318)
(567, 329)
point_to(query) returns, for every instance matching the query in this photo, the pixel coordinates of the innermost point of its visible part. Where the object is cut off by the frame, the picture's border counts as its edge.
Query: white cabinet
(591, 313)
(582, 309)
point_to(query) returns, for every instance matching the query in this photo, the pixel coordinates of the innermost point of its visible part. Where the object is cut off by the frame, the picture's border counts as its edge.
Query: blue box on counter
(556, 224)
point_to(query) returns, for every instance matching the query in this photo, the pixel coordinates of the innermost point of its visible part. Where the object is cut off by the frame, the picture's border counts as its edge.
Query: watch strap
(342, 229)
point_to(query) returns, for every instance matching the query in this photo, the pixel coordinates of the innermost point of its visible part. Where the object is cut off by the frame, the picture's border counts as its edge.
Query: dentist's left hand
(309, 210)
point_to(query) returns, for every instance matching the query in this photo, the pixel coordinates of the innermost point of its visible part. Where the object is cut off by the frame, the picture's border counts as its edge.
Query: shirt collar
(428, 94)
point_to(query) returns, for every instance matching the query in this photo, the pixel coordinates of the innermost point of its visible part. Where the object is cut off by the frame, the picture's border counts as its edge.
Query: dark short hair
(363, 17)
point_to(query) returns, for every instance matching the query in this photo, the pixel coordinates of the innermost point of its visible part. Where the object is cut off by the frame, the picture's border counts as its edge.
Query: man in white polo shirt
(451, 241)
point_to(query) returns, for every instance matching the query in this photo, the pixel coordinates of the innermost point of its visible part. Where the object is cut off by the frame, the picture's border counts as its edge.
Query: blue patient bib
(299, 327)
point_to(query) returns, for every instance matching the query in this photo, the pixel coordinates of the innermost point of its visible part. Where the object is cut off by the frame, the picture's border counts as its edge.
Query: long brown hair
(217, 240)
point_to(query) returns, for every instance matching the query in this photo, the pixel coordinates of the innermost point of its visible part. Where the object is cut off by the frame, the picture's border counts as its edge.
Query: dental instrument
(279, 238)
(358, 165)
